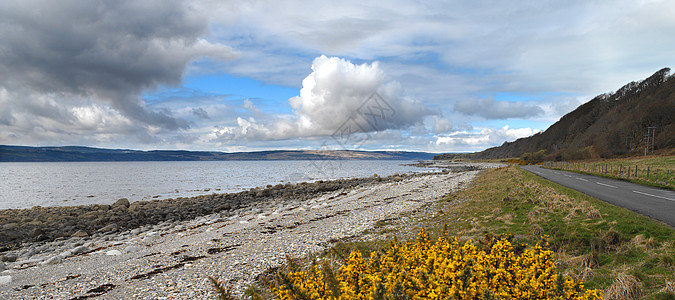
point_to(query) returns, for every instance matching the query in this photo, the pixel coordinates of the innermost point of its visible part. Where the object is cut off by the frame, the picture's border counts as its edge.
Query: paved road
(656, 203)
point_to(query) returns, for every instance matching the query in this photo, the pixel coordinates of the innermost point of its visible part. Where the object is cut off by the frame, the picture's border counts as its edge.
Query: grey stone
(10, 257)
(5, 279)
(114, 252)
(80, 249)
(11, 226)
(151, 237)
(53, 260)
(132, 248)
(124, 202)
(112, 227)
(80, 234)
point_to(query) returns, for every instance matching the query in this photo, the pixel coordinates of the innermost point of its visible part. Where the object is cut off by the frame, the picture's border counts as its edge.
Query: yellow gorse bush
(441, 270)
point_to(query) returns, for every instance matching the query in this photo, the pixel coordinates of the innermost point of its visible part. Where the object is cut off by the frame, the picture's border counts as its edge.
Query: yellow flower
(440, 270)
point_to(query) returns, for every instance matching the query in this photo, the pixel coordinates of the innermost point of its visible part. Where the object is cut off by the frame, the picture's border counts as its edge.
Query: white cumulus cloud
(337, 96)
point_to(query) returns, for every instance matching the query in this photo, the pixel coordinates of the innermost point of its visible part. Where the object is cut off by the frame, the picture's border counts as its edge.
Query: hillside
(72, 153)
(609, 125)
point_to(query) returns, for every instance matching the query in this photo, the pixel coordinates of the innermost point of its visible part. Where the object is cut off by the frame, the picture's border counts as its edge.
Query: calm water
(24, 185)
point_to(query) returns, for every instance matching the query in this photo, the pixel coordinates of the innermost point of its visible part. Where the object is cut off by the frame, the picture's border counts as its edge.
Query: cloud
(65, 64)
(97, 56)
(336, 96)
(200, 112)
(490, 108)
(487, 137)
(447, 51)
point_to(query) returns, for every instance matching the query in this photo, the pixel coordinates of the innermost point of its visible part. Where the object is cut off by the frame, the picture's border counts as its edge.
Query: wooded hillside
(610, 124)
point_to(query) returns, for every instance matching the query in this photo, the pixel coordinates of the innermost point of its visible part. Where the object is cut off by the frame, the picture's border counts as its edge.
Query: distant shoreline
(76, 154)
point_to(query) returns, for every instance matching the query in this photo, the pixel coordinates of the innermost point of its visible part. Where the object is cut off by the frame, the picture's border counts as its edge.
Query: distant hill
(609, 125)
(72, 153)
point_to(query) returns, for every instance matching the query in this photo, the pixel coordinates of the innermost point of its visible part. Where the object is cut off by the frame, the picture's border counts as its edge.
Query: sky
(434, 76)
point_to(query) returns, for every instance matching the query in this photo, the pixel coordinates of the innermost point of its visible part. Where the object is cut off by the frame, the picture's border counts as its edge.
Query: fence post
(636, 172)
(648, 179)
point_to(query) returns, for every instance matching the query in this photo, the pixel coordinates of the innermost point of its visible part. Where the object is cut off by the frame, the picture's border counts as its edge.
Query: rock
(151, 237)
(10, 257)
(132, 248)
(5, 279)
(11, 226)
(42, 237)
(80, 234)
(225, 206)
(53, 260)
(2, 266)
(37, 232)
(109, 228)
(124, 202)
(114, 252)
(80, 249)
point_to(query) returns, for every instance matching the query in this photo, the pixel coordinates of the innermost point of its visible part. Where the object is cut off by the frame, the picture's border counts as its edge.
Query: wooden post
(636, 171)
(648, 179)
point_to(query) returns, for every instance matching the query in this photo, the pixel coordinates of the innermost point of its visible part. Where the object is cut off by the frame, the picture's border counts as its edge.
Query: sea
(29, 184)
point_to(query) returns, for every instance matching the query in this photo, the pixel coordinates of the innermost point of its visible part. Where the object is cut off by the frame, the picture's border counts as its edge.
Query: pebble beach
(140, 254)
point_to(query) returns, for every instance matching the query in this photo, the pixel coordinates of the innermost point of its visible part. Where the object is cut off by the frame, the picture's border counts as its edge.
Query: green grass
(658, 171)
(605, 246)
(594, 241)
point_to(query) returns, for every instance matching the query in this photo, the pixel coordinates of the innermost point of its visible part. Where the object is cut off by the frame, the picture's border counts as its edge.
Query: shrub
(440, 270)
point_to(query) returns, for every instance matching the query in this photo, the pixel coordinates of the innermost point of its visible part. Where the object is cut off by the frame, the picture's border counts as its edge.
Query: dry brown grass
(624, 287)
(642, 242)
(669, 288)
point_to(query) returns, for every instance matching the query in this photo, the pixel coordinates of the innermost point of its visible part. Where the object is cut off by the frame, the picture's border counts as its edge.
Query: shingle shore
(171, 259)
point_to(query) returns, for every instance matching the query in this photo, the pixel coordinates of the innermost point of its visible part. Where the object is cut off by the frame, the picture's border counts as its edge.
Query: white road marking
(582, 179)
(653, 195)
(600, 183)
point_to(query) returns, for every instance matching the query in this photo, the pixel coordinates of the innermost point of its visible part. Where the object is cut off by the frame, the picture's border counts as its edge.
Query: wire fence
(664, 176)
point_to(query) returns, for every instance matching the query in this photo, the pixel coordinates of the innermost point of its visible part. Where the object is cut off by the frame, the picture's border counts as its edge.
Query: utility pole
(650, 132)
(653, 129)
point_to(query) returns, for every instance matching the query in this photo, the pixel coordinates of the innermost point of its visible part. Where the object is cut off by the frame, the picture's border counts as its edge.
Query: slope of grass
(656, 171)
(627, 255)
(611, 248)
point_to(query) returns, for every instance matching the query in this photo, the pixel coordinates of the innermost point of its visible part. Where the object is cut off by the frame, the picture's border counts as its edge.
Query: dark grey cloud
(56, 56)
(200, 112)
(490, 108)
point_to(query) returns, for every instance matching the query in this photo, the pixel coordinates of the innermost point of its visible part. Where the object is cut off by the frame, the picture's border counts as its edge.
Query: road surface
(653, 202)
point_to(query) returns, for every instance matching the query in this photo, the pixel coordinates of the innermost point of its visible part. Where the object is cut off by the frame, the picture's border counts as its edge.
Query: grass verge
(657, 171)
(627, 255)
